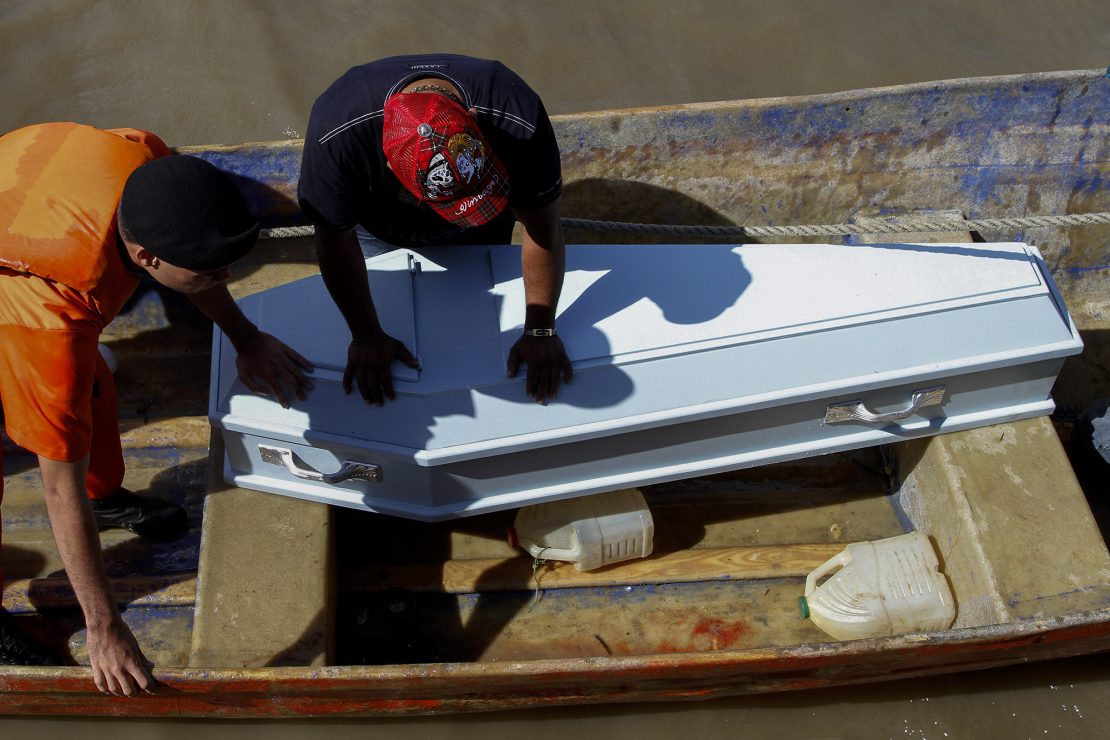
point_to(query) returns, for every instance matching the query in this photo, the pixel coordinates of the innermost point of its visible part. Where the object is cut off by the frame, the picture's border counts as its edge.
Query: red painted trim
(468, 687)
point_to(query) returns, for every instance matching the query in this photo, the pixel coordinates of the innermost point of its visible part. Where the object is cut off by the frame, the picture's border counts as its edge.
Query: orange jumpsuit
(62, 280)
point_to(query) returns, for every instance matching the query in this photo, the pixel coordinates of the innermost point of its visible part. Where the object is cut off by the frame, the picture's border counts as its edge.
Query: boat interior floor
(266, 580)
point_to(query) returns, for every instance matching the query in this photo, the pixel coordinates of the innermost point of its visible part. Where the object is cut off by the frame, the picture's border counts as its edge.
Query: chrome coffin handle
(347, 471)
(857, 411)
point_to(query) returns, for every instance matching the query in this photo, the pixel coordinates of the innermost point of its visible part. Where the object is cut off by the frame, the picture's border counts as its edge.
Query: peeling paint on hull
(475, 687)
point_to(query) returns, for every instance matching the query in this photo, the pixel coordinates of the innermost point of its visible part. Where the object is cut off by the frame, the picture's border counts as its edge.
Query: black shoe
(146, 516)
(17, 647)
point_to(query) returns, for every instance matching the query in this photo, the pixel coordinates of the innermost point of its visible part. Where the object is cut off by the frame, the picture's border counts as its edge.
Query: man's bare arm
(118, 664)
(372, 351)
(265, 363)
(542, 262)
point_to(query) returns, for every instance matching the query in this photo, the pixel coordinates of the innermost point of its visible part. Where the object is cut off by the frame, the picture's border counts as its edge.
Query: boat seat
(1012, 526)
(1016, 473)
(263, 593)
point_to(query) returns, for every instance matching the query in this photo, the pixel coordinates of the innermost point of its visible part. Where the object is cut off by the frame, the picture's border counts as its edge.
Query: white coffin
(689, 360)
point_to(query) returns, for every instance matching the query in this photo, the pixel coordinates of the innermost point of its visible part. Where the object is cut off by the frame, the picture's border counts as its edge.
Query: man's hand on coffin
(268, 365)
(368, 361)
(547, 361)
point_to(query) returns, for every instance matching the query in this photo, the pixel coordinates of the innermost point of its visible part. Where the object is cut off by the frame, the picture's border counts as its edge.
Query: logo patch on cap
(469, 154)
(439, 182)
(456, 167)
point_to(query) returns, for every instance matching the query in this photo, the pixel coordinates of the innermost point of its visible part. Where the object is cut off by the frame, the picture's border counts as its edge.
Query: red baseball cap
(439, 154)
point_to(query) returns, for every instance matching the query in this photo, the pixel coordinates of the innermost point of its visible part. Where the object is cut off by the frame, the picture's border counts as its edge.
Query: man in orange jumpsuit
(84, 213)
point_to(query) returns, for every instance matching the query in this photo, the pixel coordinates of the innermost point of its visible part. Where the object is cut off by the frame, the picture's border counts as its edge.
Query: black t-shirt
(344, 179)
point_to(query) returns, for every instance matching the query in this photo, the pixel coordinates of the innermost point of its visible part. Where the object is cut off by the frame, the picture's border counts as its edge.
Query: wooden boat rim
(997, 637)
(714, 105)
(849, 94)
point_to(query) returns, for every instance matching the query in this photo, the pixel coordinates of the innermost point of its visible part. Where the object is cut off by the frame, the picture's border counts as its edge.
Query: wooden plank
(1012, 527)
(265, 575)
(511, 574)
(394, 690)
(26, 595)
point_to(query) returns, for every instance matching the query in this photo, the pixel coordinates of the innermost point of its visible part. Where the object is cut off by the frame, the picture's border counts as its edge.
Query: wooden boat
(273, 606)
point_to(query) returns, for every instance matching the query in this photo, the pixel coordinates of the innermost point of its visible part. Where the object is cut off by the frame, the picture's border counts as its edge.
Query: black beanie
(187, 212)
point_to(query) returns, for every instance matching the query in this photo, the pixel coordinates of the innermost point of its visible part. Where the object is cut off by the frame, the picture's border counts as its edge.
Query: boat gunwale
(1005, 636)
(858, 93)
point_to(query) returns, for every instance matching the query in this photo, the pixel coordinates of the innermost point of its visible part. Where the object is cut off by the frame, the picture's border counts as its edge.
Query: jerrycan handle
(555, 553)
(836, 561)
(545, 553)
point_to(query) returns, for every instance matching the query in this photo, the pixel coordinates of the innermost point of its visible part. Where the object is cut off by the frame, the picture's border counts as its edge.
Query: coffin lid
(656, 334)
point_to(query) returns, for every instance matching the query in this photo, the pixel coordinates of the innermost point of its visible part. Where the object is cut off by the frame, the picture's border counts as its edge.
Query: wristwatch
(540, 332)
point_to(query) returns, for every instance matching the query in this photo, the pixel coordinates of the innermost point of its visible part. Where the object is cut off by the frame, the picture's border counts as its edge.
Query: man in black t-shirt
(434, 150)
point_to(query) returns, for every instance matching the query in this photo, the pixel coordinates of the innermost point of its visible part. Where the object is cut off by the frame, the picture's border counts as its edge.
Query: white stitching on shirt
(466, 95)
(353, 122)
(507, 116)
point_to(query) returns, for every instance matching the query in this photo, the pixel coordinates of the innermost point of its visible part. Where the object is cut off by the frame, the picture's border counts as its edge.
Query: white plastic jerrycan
(590, 531)
(887, 587)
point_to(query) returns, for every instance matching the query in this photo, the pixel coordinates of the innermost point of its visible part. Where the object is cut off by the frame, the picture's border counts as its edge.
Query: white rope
(862, 226)
(286, 232)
